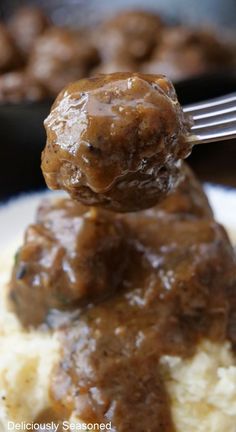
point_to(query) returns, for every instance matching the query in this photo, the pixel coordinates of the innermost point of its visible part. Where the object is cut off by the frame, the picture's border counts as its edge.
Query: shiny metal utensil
(213, 119)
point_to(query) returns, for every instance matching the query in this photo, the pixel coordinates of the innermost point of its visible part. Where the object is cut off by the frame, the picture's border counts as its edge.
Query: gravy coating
(142, 285)
(116, 141)
(122, 289)
(71, 255)
(177, 289)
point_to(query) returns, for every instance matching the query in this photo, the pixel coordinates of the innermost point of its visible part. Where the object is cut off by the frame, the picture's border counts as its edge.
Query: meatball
(10, 57)
(59, 57)
(130, 35)
(71, 256)
(116, 141)
(187, 201)
(26, 25)
(185, 52)
(181, 290)
(18, 87)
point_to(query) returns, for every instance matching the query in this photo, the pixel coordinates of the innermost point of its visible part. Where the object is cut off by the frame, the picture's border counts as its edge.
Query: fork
(213, 119)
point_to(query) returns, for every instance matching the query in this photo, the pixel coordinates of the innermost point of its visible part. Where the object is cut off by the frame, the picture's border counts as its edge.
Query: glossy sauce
(177, 290)
(116, 141)
(122, 289)
(177, 287)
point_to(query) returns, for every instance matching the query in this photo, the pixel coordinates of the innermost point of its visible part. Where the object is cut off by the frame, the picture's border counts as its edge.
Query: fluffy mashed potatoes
(202, 389)
(26, 359)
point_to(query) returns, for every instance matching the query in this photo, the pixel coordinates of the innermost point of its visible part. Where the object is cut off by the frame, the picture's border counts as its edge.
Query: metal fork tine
(212, 104)
(213, 133)
(216, 122)
(214, 113)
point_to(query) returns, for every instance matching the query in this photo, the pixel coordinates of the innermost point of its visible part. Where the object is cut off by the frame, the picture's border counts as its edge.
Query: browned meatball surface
(18, 87)
(187, 201)
(179, 289)
(116, 141)
(70, 256)
(73, 255)
(185, 52)
(59, 57)
(26, 24)
(130, 35)
(9, 55)
(140, 285)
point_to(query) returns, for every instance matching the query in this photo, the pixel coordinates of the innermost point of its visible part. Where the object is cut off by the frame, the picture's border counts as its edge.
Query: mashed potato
(26, 360)
(202, 389)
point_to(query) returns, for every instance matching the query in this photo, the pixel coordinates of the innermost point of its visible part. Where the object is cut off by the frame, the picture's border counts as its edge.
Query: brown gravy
(178, 290)
(116, 141)
(123, 289)
(177, 287)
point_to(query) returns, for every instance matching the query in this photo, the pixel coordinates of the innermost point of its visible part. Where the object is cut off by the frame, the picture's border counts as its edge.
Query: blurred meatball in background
(184, 52)
(129, 36)
(16, 86)
(25, 25)
(45, 45)
(10, 57)
(60, 56)
(115, 65)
